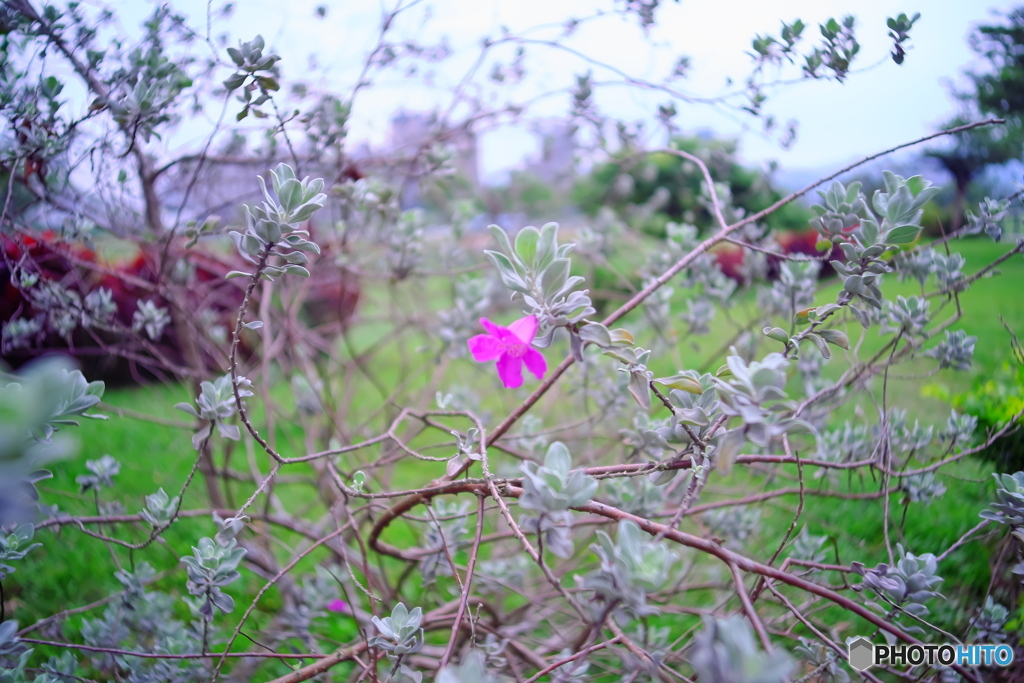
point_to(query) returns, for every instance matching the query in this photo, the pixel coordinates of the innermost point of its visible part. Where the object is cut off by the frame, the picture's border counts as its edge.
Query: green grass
(72, 569)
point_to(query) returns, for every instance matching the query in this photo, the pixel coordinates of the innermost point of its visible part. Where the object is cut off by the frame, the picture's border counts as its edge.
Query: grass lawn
(72, 569)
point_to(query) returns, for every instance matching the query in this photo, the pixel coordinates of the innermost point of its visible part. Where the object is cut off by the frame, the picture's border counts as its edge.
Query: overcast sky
(884, 105)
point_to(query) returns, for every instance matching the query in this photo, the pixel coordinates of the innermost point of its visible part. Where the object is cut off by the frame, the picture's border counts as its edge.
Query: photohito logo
(864, 654)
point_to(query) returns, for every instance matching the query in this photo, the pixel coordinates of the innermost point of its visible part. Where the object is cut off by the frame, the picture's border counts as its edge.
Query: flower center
(515, 350)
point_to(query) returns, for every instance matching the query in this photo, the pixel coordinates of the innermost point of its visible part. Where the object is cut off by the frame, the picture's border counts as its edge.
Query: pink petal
(510, 370)
(484, 347)
(525, 328)
(535, 363)
(336, 606)
(492, 328)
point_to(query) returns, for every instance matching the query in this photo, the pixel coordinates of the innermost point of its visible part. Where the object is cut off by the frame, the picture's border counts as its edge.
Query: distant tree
(1000, 91)
(663, 187)
(528, 194)
(997, 91)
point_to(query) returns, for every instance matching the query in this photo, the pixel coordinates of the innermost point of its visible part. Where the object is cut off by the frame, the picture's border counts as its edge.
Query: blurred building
(412, 134)
(556, 160)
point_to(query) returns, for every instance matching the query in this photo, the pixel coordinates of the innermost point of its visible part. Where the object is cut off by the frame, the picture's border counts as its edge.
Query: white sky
(884, 106)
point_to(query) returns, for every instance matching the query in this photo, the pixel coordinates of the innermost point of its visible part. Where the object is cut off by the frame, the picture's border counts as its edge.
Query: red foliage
(730, 257)
(332, 297)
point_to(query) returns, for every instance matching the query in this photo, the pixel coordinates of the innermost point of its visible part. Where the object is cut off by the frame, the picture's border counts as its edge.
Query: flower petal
(336, 606)
(510, 370)
(484, 347)
(493, 329)
(525, 329)
(535, 363)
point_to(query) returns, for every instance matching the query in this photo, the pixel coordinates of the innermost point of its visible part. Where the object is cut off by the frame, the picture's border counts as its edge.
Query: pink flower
(337, 606)
(510, 346)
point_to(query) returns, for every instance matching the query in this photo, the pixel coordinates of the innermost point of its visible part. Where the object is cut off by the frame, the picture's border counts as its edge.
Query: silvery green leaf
(526, 245)
(295, 257)
(573, 298)
(234, 81)
(729, 445)
(297, 242)
(282, 171)
(187, 407)
(222, 601)
(292, 269)
(662, 477)
(873, 251)
(306, 211)
(228, 431)
(836, 337)
(869, 231)
(544, 340)
(820, 344)
(596, 333)
(902, 234)
(290, 194)
(576, 346)
(236, 273)
(726, 651)
(502, 238)
(693, 416)
(640, 389)
(200, 436)
(507, 272)
(454, 465)
(840, 268)
(472, 670)
(621, 336)
(580, 487)
(854, 284)
(314, 189)
(627, 356)
(554, 276)
(547, 244)
(558, 459)
(254, 325)
(683, 383)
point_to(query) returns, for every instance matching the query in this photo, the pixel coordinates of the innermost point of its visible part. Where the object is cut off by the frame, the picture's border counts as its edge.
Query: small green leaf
(640, 390)
(820, 343)
(234, 82)
(596, 333)
(626, 356)
(507, 271)
(526, 244)
(683, 383)
(502, 238)
(903, 234)
(836, 338)
(555, 275)
(729, 446)
(622, 336)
